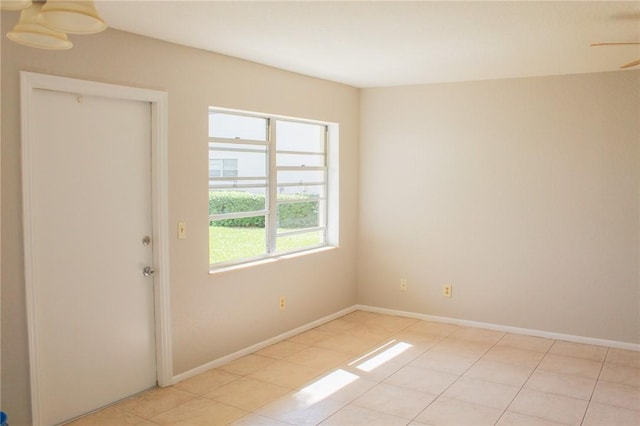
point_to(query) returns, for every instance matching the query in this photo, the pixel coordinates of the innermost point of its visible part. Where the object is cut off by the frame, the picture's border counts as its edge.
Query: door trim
(29, 82)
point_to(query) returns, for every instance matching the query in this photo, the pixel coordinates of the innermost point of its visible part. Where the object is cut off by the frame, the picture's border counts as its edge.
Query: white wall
(523, 194)
(213, 315)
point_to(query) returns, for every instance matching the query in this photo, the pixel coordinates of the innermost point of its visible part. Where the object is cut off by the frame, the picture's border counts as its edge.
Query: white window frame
(328, 215)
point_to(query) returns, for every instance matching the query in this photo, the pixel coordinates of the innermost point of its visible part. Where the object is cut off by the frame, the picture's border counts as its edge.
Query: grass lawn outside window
(228, 244)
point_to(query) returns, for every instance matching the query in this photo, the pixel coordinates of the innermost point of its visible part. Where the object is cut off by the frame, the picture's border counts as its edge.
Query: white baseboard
(526, 331)
(253, 348)
(505, 328)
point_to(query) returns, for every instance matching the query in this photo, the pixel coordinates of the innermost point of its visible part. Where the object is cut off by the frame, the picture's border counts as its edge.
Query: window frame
(326, 214)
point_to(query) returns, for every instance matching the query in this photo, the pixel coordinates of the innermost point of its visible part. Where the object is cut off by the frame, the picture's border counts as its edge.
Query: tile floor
(372, 369)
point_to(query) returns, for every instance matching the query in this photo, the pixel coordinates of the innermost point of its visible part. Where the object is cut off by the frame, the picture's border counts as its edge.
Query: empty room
(332, 212)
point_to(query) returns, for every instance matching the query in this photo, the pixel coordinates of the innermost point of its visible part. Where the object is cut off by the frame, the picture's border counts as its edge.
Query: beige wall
(213, 315)
(523, 194)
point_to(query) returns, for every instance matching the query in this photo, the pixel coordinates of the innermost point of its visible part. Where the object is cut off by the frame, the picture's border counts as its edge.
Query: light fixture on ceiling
(75, 17)
(43, 25)
(15, 4)
(30, 33)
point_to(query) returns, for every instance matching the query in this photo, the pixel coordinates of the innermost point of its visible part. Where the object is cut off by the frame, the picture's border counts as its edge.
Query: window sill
(275, 258)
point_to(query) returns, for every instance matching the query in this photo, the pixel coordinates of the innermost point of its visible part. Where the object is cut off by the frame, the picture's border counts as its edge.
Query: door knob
(148, 271)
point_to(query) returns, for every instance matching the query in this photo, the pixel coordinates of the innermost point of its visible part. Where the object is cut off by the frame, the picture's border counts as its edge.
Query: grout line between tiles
(459, 376)
(593, 391)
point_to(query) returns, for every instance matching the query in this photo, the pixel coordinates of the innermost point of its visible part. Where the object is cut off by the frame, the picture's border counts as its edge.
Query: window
(268, 186)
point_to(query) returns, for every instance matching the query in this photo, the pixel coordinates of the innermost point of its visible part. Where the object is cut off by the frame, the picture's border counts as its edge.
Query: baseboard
(526, 331)
(505, 328)
(253, 348)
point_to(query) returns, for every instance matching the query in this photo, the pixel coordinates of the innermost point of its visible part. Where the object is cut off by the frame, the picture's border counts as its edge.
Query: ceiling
(375, 43)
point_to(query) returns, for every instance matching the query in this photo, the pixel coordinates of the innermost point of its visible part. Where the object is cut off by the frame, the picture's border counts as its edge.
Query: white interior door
(90, 202)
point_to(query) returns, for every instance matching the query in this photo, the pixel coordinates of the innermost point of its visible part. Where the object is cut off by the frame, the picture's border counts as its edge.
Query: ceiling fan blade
(631, 64)
(613, 44)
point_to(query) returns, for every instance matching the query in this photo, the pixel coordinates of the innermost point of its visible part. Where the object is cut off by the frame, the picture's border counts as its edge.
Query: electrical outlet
(446, 290)
(403, 284)
(282, 303)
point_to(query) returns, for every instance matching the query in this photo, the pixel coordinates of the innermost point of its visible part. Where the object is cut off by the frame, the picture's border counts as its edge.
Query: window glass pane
(228, 243)
(243, 164)
(300, 176)
(249, 185)
(230, 164)
(235, 146)
(298, 215)
(299, 241)
(299, 160)
(237, 201)
(292, 136)
(232, 126)
(285, 192)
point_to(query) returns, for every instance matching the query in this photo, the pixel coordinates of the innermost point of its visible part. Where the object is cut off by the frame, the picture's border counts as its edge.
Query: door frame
(29, 82)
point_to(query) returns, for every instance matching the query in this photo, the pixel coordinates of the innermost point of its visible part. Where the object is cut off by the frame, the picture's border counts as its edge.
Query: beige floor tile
(515, 419)
(422, 379)
(481, 392)
(391, 323)
(529, 343)
(200, 412)
(111, 416)
(286, 374)
(446, 411)
(478, 335)
(430, 327)
(352, 345)
(606, 415)
(510, 355)
(339, 325)
(372, 370)
(499, 372)
(318, 357)
(207, 381)
(342, 385)
(337, 385)
(418, 339)
(247, 394)
(282, 349)
(461, 347)
(569, 365)
(301, 409)
(364, 330)
(561, 384)
(247, 364)
(397, 401)
(360, 316)
(618, 395)
(622, 374)
(388, 369)
(355, 416)
(311, 337)
(579, 350)
(557, 408)
(156, 401)
(256, 420)
(391, 350)
(443, 361)
(624, 357)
